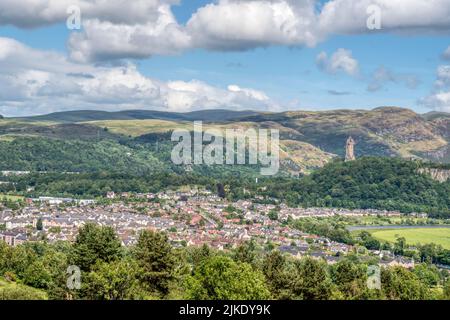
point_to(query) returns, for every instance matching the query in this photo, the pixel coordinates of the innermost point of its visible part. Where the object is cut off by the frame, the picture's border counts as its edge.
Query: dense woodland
(380, 183)
(153, 269)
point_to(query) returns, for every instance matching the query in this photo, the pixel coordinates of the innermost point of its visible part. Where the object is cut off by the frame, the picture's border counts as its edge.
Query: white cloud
(112, 29)
(439, 99)
(36, 13)
(341, 60)
(250, 93)
(141, 28)
(102, 40)
(245, 24)
(406, 16)
(35, 82)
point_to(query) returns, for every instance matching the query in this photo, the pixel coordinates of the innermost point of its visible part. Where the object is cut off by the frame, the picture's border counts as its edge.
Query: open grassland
(137, 128)
(18, 122)
(414, 236)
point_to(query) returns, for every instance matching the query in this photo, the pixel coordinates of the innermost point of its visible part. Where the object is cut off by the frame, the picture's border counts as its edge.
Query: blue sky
(288, 74)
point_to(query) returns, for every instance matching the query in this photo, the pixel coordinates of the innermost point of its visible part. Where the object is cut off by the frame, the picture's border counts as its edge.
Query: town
(190, 218)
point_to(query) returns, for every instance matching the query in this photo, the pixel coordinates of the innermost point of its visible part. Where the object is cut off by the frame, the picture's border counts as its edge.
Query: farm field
(413, 236)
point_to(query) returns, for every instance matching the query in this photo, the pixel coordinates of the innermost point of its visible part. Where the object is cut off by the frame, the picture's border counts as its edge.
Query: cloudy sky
(182, 55)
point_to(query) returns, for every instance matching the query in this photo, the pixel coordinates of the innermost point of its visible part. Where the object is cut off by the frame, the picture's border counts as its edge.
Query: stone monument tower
(350, 150)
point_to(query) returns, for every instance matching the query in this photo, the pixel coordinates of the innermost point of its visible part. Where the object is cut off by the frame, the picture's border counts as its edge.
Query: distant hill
(308, 139)
(385, 131)
(92, 115)
(433, 115)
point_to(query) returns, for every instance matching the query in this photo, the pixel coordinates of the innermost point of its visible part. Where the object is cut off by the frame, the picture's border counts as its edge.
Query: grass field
(10, 197)
(374, 220)
(15, 291)
(416, 235)
(136, 128)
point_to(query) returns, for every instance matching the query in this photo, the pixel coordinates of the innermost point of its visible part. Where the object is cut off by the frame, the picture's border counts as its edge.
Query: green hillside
(14, 291)
(381, 183)
(45, 154)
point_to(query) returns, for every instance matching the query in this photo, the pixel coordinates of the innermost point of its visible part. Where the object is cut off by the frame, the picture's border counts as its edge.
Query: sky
(184, 55)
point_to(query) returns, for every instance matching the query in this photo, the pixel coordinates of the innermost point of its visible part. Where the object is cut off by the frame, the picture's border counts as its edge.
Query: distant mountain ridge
(200, 115)
(94, 115)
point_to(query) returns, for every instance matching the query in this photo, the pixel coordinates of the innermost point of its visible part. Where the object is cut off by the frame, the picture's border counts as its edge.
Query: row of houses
(13, 238)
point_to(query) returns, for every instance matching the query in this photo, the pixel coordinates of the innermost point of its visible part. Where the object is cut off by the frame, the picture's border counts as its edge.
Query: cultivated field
(415, 235)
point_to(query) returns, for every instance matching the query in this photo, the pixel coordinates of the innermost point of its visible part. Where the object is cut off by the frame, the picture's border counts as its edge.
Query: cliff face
(440, 175)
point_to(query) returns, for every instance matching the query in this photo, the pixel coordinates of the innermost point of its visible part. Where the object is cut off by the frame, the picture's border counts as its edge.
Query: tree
(37, 275)
(400, 284)
(369, 241)
(447, 290)
(196, 255)
(15, 259)
(246, 252)
(154, 255)
(93, 244)
(428, 274)
(221, 191)
(273, 215)
(274, 269)
(221, 278)
(112, 281)
(48, 272)
(399, 246)
(310, 280)
(350, 279)
(39, 224)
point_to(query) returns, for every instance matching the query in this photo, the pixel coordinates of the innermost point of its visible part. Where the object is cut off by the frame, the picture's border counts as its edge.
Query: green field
(136, 128)
(386, 221)
(416, 235)
(10, 197)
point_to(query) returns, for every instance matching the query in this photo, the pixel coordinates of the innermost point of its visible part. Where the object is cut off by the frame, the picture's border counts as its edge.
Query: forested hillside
(381, 183)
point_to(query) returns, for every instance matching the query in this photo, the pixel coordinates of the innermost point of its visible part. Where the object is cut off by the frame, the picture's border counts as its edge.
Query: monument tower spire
(350, 150)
